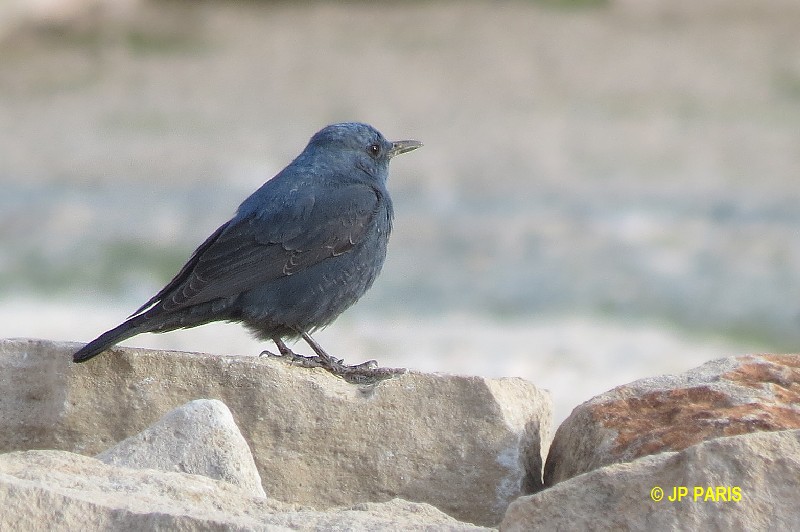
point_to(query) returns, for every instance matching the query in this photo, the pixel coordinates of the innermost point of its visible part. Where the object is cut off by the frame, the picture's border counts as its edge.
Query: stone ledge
(467, 445)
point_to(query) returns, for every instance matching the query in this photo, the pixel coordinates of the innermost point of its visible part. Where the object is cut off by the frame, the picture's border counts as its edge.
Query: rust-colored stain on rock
(762, 394)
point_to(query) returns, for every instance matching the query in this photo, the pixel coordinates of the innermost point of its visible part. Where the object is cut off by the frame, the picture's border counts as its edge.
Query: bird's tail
(129, 328)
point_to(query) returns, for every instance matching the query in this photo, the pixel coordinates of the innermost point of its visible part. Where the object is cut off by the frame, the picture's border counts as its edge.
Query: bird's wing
(271, 243)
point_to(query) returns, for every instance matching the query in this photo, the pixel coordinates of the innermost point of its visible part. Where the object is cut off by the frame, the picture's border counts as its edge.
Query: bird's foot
(291, 357)
(365, 373)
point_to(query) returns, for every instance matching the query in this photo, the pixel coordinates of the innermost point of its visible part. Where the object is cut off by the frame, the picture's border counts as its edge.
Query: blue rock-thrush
(299, 251)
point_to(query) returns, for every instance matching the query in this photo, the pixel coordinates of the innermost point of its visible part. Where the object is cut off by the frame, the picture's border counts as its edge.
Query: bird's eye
(374, 149)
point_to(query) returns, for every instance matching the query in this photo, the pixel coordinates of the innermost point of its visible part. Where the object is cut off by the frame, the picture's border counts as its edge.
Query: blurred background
(608, 189)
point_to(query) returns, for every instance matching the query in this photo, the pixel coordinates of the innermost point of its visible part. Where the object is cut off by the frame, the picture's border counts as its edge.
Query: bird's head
(352, 146)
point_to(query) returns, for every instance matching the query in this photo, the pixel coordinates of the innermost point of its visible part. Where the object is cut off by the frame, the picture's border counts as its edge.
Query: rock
(57, 490)
(396, 514)
(721, 398)
(747, 482)
(467, 445)
(199, 437)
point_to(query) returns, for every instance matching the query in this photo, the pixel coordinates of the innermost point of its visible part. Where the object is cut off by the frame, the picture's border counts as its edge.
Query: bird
(297, 253)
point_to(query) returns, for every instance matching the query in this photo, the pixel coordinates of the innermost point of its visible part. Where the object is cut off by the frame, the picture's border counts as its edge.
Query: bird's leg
(327, 359)
(282, 349)
(365, 373)
(292, 357)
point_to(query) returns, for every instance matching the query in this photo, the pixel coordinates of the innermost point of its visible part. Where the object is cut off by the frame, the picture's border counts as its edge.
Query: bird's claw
(365, 373)
(303, 361)
(368, 365)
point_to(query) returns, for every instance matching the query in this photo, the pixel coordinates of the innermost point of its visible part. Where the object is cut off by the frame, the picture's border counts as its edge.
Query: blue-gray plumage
(299, 251)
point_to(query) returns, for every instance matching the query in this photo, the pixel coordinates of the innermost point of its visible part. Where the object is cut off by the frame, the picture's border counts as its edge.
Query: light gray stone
(724, 397)
(199, 437)
(753, 481)
(467, 445)
(57, 490)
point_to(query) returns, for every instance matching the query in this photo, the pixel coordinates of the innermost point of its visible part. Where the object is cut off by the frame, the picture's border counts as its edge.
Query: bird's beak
(403, 146)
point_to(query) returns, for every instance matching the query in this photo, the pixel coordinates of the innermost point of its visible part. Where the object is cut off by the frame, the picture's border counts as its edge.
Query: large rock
(721, 398)
(467, 445)
(747, 482)
(57, 490)
(199, 437)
